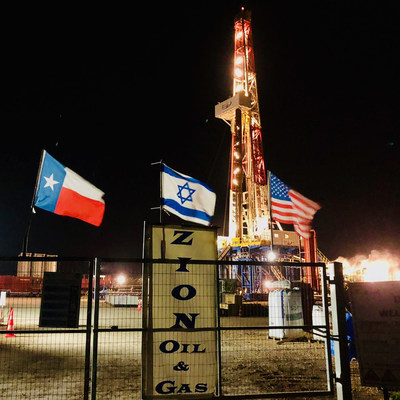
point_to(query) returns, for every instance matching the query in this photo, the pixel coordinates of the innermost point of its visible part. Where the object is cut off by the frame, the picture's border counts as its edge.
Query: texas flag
(63, 192)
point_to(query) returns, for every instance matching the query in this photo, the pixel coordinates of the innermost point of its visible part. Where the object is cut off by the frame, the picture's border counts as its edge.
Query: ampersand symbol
(181, 366)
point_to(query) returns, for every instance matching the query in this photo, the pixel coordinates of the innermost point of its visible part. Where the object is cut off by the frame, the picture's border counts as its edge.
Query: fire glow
(377, 267)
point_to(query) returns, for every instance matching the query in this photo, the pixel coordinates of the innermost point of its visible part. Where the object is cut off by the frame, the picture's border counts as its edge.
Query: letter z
(181, 239)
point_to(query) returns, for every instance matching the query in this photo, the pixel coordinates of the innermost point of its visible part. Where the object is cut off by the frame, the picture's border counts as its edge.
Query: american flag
(291, 207)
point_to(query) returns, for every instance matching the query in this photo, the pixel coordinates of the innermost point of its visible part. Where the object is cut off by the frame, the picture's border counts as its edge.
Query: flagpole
(26, 238)
(156, 163)
(270, 209)
(161, 190)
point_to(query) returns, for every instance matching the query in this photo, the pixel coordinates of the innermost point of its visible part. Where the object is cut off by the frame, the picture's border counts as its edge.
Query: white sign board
(376, 316)
(182, 299)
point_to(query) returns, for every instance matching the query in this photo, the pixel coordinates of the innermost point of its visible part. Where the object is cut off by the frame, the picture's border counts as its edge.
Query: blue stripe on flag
(186, 211)
(175, 174)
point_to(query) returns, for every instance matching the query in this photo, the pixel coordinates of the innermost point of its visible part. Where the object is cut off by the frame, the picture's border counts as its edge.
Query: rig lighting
(267, 284)
(238, 72)
(239, 60)
(271, 256)
(121, 279)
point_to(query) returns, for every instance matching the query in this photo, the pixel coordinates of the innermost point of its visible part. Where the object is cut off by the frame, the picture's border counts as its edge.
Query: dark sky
(109, 91)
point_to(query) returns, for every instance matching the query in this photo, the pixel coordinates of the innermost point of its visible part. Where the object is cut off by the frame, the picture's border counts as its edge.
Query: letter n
(189, 322)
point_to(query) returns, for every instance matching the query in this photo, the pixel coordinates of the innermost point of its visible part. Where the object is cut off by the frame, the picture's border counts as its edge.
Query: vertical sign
(376, 317)
(181, 354)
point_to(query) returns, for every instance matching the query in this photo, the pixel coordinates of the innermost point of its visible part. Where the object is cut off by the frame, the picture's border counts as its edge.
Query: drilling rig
(253, 235)
(248, 203)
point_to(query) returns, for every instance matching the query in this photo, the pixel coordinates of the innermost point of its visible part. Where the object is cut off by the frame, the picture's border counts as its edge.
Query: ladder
(322, 257)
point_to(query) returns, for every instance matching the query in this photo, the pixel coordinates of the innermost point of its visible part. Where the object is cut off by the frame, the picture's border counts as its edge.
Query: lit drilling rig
(248, 205)
(252, 232)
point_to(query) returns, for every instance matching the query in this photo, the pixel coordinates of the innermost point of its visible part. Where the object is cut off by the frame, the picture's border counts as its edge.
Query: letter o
(163, 346)
(176, 292)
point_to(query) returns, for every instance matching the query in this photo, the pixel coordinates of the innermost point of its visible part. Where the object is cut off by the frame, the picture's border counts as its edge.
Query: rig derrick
(253, 234)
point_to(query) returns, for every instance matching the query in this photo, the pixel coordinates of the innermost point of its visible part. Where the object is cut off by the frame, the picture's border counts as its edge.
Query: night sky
(109, 91)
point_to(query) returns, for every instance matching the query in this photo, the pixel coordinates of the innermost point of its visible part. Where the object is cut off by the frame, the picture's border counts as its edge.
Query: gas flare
(376, 267)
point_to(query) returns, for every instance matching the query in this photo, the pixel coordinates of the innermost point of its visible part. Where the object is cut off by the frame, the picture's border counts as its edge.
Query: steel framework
(248, 211)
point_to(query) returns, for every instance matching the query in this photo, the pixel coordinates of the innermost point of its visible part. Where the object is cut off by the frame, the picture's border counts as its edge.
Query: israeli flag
(186, 197)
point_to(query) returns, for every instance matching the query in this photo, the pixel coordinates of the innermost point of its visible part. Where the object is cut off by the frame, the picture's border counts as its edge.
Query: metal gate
(39, 361)
(269, 350)
(102, 356)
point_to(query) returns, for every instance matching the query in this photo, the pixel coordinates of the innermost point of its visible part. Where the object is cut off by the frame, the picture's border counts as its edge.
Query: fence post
(95, 328)
(328, 353)
(342, 363)
(88, 331)
(218, 331)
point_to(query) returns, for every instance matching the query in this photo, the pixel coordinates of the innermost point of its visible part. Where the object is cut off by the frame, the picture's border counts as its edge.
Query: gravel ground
(52, 366)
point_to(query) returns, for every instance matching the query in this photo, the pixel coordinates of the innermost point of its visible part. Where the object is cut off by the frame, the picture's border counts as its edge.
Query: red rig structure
(253, 234)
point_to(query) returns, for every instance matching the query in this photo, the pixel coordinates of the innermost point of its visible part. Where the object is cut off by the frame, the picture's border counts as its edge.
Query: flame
(375, 271)
(376, 267)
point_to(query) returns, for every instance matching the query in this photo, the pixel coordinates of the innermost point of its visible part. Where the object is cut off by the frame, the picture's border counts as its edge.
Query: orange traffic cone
(10, 326)
(139, 307)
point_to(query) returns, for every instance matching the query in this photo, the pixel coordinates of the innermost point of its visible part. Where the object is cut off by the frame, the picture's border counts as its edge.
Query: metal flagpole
(160, 207)
(26, 238)
(270, 209)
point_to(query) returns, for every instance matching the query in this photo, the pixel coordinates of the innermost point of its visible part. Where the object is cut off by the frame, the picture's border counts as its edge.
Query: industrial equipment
(253, 234)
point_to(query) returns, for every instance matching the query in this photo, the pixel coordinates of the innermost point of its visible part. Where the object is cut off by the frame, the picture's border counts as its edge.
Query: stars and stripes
(291, 207)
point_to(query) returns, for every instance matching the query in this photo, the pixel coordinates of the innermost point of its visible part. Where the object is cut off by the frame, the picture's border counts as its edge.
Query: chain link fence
(39, 361)
(97, 351)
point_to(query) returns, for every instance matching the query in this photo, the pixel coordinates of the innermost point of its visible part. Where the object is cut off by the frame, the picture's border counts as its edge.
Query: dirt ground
(52, 366)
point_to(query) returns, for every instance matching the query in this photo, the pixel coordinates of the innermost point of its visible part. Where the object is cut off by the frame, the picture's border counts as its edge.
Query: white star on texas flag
(50, 182)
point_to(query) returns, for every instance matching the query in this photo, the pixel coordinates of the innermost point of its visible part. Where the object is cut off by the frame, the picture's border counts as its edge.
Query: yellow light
(271, 256)
(267, 284)
(239, 60)
(121, 279)
(239, 88)
(236, 154)
(235, 182)
(239, 34)
(236, 170)
(238, 72)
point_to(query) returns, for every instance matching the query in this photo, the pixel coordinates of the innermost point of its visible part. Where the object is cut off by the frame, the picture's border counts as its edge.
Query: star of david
(187, 191)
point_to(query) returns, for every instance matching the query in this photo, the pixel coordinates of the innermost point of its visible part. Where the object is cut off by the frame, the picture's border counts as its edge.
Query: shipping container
(20, 285)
